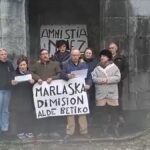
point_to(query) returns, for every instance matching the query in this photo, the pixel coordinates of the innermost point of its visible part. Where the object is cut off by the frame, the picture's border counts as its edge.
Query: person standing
(22, 108)
(122, 64)
(106, 77)
(62, 53)
(91, 62)
(73, 64)
(6, 74)
(45, 70)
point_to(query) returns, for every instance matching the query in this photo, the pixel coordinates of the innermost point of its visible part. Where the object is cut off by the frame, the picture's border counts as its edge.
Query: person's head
(75, 55)
(3, 55)
(22, 63)
(113, 47)
(44, 55)
(62, 45)
(88, 53)
(105, 56)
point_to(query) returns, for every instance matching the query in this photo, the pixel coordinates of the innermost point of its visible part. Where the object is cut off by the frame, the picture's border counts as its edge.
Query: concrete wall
(14, 27)
(128, 21)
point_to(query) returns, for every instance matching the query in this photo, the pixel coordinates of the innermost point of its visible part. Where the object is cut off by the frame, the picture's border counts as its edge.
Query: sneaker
(29, 135)
(21, 136)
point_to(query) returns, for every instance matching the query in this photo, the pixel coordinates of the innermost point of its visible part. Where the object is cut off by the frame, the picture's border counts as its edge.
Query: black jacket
(22, 99)
(6, 75)
(121, 62)
(61, 57)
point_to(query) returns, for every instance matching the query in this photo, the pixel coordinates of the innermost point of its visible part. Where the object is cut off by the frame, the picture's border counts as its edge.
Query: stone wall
(128, 22)
(14, 27)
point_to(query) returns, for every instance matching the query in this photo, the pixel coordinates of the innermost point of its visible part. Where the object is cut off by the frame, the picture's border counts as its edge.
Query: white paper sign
(80, 73)
(76, 35)
(60, 98)
(23, 78)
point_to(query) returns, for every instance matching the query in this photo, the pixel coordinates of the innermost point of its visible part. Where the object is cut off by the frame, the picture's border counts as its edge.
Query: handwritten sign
(76, 35)
(60, 98)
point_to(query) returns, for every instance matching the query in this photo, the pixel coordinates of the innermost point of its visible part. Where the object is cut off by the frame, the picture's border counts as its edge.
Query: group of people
(105, 76)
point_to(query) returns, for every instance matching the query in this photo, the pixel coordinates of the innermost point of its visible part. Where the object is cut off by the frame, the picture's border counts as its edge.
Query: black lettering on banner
(67, 33)
(51, 112)
(71, 43)
(52, 90)
(62, 110)
(73, 110)
(83, 32)
(40, 103)
(50, 44)
(72, 33)
(64, 101)
(77, 88)
(73, 101)
(70, 86)
(57, 89)
(53, 102)
(82, 44)
(41, 114)
(85, 109)
(44, 33)
(57, 32)
(64, 90)
(45, 93)
(83, 88)
(38, 91)
(79, 110)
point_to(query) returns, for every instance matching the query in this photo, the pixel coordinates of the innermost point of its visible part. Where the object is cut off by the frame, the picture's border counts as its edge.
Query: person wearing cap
(106, 77)
(6, 75)
(62, 53)
(45, 70)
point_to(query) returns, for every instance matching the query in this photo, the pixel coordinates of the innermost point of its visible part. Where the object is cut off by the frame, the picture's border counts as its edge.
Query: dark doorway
(58, 12)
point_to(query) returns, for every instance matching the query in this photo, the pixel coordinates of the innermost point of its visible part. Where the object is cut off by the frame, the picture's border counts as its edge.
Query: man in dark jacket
(70, 65)
(6, 74)
(122, 64)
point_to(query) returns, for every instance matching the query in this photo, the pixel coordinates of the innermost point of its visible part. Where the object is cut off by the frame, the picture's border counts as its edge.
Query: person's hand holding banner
(49, 80)
(40, 81)
(71, 76)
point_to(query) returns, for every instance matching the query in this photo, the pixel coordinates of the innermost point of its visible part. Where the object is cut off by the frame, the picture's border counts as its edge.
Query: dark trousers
(22, 122)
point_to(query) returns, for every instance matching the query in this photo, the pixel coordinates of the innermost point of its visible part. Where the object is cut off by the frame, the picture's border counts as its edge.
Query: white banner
(76, 35)
(60, 98)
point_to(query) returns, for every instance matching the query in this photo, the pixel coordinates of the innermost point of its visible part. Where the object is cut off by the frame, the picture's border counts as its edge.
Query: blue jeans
(4, 109)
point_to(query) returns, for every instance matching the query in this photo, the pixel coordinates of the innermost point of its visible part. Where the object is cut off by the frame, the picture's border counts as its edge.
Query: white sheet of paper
(23, 78)
(80, 73)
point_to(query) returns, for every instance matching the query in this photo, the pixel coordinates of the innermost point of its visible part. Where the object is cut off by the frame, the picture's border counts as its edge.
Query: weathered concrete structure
(126, 21)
